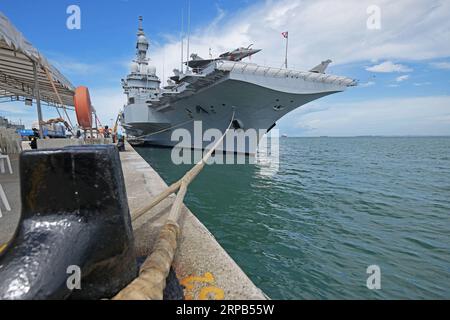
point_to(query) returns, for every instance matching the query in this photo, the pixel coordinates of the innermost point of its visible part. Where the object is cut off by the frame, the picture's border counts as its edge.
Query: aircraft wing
(320, 68)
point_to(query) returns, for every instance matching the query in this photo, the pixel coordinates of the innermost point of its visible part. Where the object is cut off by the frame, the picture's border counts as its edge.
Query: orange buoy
(83, 107)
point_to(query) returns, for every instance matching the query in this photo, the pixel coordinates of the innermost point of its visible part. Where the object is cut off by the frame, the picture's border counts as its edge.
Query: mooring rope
(151, 282)
(163, 130)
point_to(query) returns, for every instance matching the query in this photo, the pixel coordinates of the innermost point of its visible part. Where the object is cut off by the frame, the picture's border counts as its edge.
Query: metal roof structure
(20, 62)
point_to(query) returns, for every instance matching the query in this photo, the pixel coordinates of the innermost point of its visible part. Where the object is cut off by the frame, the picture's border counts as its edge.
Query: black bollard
(75, 217)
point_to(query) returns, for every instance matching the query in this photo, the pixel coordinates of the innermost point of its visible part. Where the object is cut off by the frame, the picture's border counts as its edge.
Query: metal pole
(182, 41)
(188, 34)
(37, 96)
(286, 57)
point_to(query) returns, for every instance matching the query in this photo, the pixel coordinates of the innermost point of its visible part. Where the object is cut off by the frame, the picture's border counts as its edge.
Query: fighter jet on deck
(239, 54)
(235, 55)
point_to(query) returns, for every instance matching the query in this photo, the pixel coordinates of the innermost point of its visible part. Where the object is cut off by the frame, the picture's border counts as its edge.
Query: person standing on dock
(33, 143)
(106, 133)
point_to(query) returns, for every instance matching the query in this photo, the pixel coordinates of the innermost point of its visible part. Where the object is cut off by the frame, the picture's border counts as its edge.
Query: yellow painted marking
(3, 247)
(205, 292)
(207, 278)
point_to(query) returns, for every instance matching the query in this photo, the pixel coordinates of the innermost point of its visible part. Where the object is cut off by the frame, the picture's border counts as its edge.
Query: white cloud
(441, 65)
(392, 116)
(402, 78)
(70, 66)
(412, 30)
(323, 29)
(77, 68)
(107, 102)
(367, 84)
(420, 84)
(388, 67)
(17, 108)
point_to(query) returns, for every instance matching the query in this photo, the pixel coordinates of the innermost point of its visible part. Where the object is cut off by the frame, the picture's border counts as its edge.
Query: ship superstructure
(210, 91)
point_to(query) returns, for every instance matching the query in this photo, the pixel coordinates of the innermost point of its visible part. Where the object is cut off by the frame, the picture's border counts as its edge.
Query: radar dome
(142, 39)
(151, 70)
(134, 67)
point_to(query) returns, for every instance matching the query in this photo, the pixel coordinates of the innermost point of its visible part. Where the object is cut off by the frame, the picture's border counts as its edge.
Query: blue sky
(403, 67)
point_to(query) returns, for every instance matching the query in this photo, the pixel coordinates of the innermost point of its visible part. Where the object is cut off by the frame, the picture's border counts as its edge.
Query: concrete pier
(201, 265)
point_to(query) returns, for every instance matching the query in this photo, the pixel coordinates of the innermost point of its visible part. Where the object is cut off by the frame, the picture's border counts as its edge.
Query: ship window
(131, 100)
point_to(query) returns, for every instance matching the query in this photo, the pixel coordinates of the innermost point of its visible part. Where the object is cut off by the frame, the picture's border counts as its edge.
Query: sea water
(334, 207)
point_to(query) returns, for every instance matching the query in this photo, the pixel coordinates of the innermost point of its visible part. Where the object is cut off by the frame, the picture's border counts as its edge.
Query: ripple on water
(336, 206)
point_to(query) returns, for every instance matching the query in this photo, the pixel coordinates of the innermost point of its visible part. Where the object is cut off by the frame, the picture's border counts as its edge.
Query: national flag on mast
(286, 36)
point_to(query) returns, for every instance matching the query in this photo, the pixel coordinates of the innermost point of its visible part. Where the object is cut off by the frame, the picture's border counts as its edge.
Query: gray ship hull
(255, 107)
(197, 107)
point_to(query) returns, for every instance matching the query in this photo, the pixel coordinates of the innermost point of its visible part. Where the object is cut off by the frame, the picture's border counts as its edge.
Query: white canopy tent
(26, 75)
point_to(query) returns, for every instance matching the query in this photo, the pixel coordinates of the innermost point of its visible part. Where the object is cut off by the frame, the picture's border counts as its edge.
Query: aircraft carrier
(209, 92)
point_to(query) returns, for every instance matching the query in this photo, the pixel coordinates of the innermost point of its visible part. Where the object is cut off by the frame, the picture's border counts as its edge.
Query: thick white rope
(187, 178)
(161, 131)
